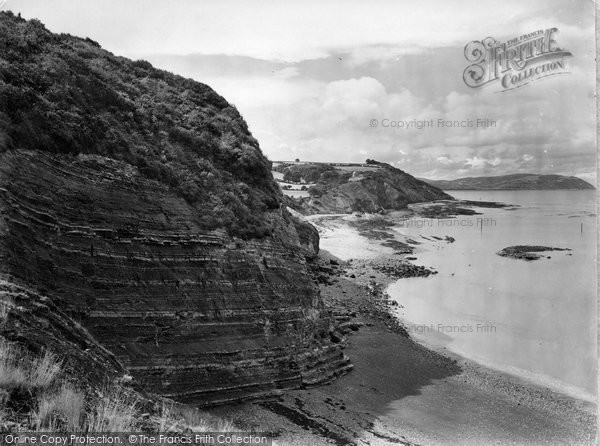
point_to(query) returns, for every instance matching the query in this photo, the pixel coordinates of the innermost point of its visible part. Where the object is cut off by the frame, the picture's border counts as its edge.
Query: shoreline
(518, 376)
(402, 391)
(524, 377)
(515, 379)
(383, 281)
(428, 338)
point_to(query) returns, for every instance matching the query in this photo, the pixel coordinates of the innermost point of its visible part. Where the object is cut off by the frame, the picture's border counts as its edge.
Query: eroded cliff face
(193, 314)
(137, 204)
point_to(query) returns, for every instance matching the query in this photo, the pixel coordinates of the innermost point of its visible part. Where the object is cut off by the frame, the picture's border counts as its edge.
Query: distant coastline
(525, 181)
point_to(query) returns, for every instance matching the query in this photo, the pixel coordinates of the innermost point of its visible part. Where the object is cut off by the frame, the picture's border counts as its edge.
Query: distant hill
(344, 188)
(522, 181)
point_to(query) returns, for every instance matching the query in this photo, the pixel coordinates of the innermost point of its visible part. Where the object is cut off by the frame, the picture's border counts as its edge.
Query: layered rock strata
(196, 315)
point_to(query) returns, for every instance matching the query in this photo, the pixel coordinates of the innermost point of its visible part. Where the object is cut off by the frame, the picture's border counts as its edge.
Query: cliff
(138, 205)
(525, 181)
(345, 188)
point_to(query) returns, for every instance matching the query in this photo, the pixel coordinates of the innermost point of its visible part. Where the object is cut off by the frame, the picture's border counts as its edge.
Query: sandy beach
(401, 392)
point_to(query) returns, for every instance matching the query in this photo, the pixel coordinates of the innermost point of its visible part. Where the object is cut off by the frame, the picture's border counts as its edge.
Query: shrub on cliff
(308, 173)
(63, 94)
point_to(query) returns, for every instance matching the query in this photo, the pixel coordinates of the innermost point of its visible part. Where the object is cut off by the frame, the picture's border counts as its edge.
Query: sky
(311, 77)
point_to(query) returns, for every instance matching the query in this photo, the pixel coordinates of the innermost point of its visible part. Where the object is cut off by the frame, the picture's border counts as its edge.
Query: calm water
(534, 319)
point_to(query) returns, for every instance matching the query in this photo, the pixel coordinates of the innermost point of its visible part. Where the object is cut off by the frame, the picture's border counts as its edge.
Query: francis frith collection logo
(516, 62)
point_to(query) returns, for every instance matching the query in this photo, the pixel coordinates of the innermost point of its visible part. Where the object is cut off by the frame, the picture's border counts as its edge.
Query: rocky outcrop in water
(527, 252)
(137, 204)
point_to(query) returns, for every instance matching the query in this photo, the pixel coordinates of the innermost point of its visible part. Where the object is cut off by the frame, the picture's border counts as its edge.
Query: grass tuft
(71, 404)
(198, 421)
(12, 374)
(44, 370)
(116, 411)
(19, 369)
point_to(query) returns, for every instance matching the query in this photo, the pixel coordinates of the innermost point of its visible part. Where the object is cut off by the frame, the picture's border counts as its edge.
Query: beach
(401, 392)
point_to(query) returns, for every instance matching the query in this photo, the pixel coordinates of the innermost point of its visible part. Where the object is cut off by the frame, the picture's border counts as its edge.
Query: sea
(535, 319)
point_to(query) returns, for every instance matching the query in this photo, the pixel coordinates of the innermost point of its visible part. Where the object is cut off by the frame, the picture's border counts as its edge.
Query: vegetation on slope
(369, 187)
(303, 173)
(63, 94)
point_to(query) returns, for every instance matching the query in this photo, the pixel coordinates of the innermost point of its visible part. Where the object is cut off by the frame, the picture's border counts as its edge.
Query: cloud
(444, 160)
(381, 54)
